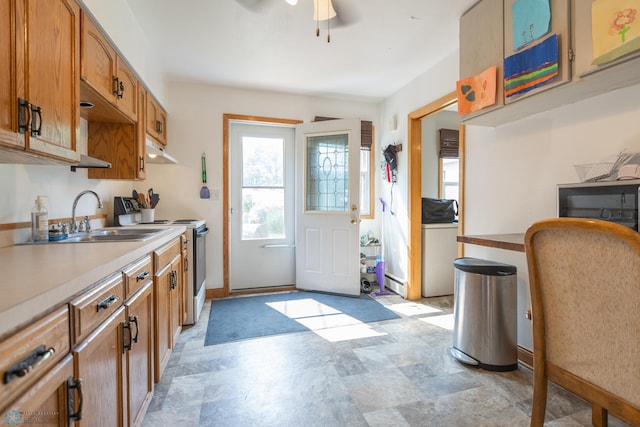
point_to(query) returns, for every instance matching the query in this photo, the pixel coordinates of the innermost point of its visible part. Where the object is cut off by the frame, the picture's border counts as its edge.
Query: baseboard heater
(396, 284)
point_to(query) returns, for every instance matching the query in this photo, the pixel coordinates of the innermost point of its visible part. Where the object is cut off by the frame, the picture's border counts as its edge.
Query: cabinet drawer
(96, 305)
(27, 355)
(137, 274)
(166, 254)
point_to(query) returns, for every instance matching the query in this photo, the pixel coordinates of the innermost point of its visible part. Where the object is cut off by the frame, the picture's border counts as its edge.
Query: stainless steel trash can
(485, 314)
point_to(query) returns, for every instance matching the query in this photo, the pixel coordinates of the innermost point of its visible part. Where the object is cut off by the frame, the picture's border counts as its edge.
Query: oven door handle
(203, 232)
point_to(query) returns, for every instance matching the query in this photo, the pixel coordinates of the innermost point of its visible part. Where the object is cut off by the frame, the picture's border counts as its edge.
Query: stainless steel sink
(115, 234)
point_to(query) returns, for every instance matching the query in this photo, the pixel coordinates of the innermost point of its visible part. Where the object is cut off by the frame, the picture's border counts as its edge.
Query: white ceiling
(376, 48)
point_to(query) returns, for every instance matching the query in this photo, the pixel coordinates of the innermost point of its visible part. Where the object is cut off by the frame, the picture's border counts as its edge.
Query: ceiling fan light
(292, 2)
(323, 10)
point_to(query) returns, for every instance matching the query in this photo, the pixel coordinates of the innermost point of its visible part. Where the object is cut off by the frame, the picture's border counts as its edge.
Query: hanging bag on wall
(436, 211)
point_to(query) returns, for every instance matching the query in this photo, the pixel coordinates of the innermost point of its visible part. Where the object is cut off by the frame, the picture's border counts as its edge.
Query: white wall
(22, 183)
(195, 126)
(512, 171)
(432, 85)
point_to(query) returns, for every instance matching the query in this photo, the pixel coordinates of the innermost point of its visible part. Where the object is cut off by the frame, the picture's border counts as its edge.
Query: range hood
(157, 154)
(87, 162)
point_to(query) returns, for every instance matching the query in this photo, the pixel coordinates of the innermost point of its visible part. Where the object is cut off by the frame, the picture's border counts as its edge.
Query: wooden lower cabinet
(53, 401)
(139, 358)
(100, 364)
(93, 361)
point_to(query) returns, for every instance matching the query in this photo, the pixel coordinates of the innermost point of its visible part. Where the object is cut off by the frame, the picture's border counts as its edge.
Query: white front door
(327, 206)
(262, 206)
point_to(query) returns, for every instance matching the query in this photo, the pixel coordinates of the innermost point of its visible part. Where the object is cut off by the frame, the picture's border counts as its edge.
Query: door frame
(226, 119)
(414, 255)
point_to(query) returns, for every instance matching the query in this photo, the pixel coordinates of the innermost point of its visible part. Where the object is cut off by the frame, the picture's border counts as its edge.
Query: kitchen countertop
(36, 278)
(510, 241)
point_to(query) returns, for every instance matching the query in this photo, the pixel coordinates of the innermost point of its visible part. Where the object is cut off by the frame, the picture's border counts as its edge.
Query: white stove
(127, 213)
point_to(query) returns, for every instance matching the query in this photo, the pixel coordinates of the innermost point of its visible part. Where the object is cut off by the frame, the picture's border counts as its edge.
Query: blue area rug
(235, 319)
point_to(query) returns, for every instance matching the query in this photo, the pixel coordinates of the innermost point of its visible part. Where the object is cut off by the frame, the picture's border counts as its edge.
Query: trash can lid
(483, 266)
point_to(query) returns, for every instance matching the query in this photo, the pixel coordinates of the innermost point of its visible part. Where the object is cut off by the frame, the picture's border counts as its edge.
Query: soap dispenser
(39, 221)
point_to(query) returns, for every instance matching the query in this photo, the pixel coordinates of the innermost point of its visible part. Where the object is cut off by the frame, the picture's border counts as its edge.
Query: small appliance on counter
(613, 201)
(127, 212)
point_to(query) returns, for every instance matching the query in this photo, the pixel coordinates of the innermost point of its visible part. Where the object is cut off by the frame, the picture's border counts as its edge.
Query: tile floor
(402, 375)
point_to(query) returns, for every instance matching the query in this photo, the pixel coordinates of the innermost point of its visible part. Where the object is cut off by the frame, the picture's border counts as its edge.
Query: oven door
(199, 258)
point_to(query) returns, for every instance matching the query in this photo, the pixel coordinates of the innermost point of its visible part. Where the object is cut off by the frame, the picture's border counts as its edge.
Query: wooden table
(511, 242)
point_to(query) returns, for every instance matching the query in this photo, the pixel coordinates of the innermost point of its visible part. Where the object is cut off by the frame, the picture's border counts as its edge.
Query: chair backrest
(585, 292)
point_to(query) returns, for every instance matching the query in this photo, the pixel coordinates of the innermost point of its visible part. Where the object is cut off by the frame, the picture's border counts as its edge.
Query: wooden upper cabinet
(98, 59)
(9, 135)
(127, 97)
(106, 72)
(156, 119)
(47, 68)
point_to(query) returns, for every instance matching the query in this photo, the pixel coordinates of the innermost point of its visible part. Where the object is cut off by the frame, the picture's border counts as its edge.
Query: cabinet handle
(115, 86)
(173, 279)
(142, 163)
(158, 126)
(134, 320)
(24, 115)
(29, 363)
(71, 400)
(186, 263)
(107, 302)
(142, 276)
(125, 346)
(120, 89)
(36, 120)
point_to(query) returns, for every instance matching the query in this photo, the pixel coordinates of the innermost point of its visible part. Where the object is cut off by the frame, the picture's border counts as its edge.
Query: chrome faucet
(73, 227)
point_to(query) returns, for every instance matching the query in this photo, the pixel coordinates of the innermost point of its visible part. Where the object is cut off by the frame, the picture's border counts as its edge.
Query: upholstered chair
(584, 278)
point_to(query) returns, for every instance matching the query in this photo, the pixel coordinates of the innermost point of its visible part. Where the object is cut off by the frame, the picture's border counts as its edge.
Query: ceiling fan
(336, 13)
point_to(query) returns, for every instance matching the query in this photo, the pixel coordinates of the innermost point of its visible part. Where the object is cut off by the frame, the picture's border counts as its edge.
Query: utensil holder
(147, 215)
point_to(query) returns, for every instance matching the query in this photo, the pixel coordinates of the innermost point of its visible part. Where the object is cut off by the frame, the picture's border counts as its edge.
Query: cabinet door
(48, 62)
(97, 60)
(161, 119)
(140, 355)
(162, 336)
(177, 312)
(481, 45)
(141, 135)
(127, 96)
(583, 44)
(99, 362)
(49, 401)
(560, 25)
(9, 135)
(156, 119)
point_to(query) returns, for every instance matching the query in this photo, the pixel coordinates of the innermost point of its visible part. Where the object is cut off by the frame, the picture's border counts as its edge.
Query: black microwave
(615, 201)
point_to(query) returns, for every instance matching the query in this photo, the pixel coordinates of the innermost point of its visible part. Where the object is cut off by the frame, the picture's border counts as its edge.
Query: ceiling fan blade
(255, 5)
(346, 13)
